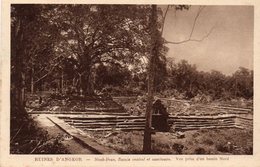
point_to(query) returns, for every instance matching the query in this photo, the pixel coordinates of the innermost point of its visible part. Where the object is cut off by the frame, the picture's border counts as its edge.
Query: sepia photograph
(174, 79)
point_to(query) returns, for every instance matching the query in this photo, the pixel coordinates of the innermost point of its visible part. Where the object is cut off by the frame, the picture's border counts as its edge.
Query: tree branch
(49, 72)
(195, 21)
(190, 39)
(164, 17)
(17, 132)
(45, 67)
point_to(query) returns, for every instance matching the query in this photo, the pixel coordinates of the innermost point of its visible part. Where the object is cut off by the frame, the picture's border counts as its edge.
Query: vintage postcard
(133, 83)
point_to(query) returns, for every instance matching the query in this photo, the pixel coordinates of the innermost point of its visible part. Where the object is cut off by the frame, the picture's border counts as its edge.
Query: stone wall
(210, 122)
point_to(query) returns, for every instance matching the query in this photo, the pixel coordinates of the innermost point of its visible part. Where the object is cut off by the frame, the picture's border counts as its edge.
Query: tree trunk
(32, 81)
(23, 88)
(62, 82)
(86, 85)
(18, 90)
(154, 53)
(86, 82)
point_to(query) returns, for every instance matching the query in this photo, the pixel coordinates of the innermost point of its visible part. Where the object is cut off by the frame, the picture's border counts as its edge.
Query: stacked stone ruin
(113, 117)
(178, 123)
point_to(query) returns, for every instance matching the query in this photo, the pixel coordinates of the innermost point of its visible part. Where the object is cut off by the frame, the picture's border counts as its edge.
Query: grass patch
(27, 138)
(220, 141)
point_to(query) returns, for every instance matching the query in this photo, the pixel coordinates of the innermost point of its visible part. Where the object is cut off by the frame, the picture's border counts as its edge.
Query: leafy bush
(222, 148)
(178, 148)
(121, 91)
(162, 148)
(208, 141)
(200, 151)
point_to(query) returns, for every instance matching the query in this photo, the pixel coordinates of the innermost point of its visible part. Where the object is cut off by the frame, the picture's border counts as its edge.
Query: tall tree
(151, 67)
(38, 39)
(22, 19)
(97, 34)
(156, 30)
(241, 83)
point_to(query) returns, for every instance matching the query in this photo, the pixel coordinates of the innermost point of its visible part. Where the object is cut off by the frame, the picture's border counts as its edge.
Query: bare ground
(214, 141)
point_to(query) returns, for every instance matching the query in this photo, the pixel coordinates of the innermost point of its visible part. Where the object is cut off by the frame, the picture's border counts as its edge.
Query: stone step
(80, 113)
(244, 127)
(233, 108)
(114, 129)
(200, 123)
(226, 105)
(226, 109)
(205, 125)
(99, 117)
(201, 117)
(208, 127)
(245, 122)
(244, 118)
(107, 123)
(109, 126)
(104, 120)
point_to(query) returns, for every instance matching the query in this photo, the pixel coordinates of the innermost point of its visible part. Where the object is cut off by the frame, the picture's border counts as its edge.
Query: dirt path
(73, 146)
